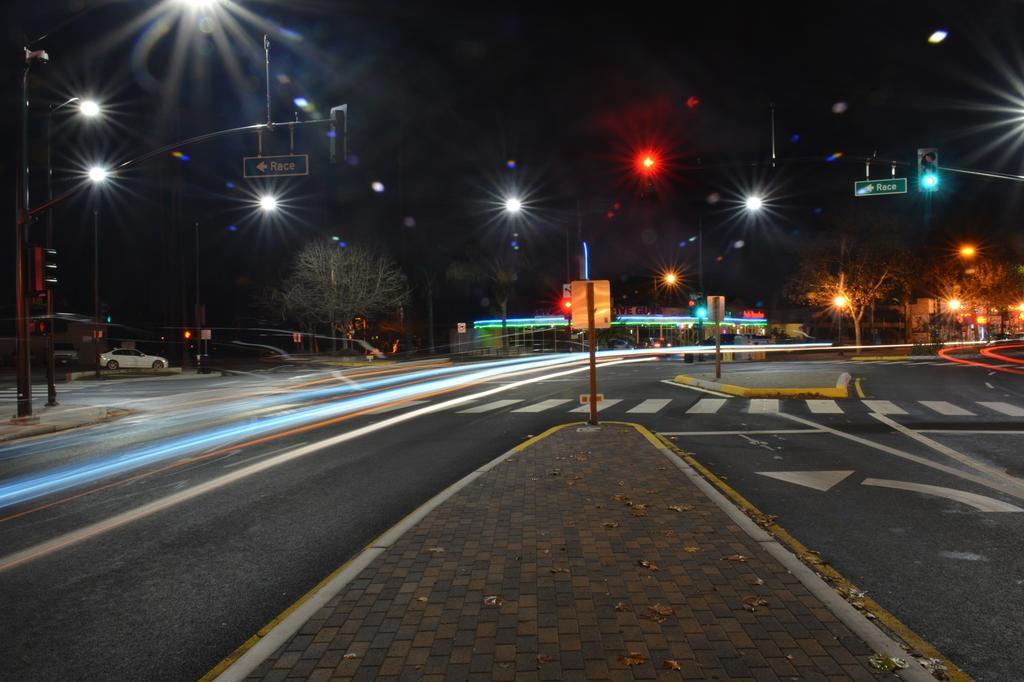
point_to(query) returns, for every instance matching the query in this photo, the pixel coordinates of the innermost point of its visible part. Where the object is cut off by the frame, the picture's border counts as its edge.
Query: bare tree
(498, 272)
(330, 286)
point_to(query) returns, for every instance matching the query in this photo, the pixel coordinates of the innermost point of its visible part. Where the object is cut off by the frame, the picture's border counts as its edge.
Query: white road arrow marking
(979, 502)
(819, 480)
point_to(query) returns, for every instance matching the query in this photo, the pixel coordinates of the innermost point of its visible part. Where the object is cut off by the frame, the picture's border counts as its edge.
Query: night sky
(443, 97)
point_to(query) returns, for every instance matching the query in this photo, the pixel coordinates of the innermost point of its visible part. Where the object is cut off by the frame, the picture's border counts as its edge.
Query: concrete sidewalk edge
(840, 390)
(823, 581)
(260, 646)
(95, 415)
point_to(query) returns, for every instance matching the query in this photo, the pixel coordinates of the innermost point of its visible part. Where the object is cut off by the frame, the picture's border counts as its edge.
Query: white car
(129, 357)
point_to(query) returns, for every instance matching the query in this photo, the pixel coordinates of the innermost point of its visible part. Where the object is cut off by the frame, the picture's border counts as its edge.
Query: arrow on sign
(818, 480)
(261, 167)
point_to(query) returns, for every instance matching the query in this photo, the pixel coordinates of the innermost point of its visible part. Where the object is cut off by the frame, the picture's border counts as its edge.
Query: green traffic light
(930, 181)
(702, 313)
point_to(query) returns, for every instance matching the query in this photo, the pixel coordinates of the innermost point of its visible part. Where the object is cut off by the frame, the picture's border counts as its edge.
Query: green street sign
(873, 188)
(275, 166)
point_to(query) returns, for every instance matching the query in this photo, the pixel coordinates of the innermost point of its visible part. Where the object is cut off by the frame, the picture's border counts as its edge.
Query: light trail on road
(992, 354)
(945, 353)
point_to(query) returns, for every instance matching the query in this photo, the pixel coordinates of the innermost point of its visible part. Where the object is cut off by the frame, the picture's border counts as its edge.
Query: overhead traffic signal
(928, 168)
(44, 269)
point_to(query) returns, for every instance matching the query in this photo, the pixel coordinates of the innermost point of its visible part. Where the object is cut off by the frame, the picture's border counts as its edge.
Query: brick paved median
(585, 556)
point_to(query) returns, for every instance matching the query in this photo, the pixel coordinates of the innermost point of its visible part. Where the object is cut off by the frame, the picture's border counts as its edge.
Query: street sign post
(874, 188)
(716, 311)
(275, 166)
(594, 297)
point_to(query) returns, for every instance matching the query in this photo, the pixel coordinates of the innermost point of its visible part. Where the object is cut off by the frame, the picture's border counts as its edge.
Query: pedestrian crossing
(10, 394)
(753, 406)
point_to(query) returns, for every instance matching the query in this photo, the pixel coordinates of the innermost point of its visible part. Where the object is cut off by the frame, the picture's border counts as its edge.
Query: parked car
(64, 353)
(657, 342)
(620, 344)
(129, 357)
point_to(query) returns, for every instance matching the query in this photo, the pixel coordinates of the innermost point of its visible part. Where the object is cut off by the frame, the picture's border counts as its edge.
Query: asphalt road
(160, 572)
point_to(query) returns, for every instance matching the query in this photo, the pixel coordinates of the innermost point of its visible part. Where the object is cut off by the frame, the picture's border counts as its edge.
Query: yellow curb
(836, 580)
(748, 392)
(860, 389)
(216, 670)
(879, 357)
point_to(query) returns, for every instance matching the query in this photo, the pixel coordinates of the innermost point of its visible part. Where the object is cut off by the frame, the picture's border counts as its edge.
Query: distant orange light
(188, 334)
(981, 319)
(671, 278)
(953, 304)
(968, 251)
(840, 301)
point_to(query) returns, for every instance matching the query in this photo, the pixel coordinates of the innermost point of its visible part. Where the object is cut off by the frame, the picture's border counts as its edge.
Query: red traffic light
(647, 163)
(566, 304)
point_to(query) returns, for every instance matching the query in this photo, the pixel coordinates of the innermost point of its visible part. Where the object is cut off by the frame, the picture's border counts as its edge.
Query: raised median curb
(518, 578)
(71, 418)
(840, 390)
(890, 358)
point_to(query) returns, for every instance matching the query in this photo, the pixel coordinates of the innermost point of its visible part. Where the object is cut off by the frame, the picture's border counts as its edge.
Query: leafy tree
(860, 264)
(498, 272)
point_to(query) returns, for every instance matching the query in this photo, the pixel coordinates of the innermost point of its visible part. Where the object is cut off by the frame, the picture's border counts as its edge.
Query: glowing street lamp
(670, 278)
(513, 205)
(98, 174)
(968, 251)
(268, 203)
(753, 203)
(841, 301)
(953, 304)
(89, 108)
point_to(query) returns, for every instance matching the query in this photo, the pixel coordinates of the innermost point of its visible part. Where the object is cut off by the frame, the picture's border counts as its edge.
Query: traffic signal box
(928, 169)
(44, 269)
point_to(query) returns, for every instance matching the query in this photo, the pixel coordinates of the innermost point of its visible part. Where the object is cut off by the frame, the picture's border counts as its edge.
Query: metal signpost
(716, 311)
(874, 188)
(595, 297)
(275, 166)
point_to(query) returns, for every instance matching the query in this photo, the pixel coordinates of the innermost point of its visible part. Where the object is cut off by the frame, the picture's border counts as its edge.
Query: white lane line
(695, 388)
(250, 460)
(1006, 483)
(883, 407)
(946, 408)
(650, 406)
(394, 408)
(706, 406)
(1005, 408)
(606, 403)
(824, 407)
(763, 405)
(742, 433)
(543, 405)
(489, 407)
(973, 432)
(989, 385)
(979, 502)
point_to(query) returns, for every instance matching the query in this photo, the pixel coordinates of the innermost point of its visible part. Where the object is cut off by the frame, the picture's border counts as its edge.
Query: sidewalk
(53, 419)
(586, 554)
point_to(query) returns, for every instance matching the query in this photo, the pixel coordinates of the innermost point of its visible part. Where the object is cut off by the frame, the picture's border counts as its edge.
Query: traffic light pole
(96, 331)
(22, 217)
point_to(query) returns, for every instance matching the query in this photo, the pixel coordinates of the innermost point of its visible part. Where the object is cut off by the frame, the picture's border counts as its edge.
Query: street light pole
(97, 333)
(20, 265)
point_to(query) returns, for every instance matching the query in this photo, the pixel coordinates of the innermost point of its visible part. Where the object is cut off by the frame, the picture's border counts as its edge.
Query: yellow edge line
(860, 389)
(836, 580)
(262, 632)
(747, 392)
(869, 358)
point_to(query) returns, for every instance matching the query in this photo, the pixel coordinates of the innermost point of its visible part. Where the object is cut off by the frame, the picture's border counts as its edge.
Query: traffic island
(775, 383)
(586, 553)
(60, 418)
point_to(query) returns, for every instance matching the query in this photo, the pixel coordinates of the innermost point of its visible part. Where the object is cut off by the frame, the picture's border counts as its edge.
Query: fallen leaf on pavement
(436, 550)
(756, 581)
(554, 472)
(671, 664)
(648, 565)
(421, 599)
(634, 658)
(887, 664)
(671, 533)
(681, 507)
(659, 613)
(639, 512)
(611, 524)
(559, 569)
(620, 498)
(542, 659)
(652, 491)
(493, 600)
(350, 656)
(751, 603)
(621, 607)
(735, 557)
(692, 549)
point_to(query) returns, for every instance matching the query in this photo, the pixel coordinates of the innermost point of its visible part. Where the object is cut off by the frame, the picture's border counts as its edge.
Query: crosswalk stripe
(1005, 408)
(394, 408)
(650, 406)
(600, 406)
(824, 407)
(763, 405)
(707, 406)
(543, 405)
(947, 409)
(488, 407)
(883, 407)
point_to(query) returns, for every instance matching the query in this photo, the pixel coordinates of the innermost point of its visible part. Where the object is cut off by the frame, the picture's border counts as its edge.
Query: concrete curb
(741, 512)
(840, 390)
(39, 426)
(246, 658)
